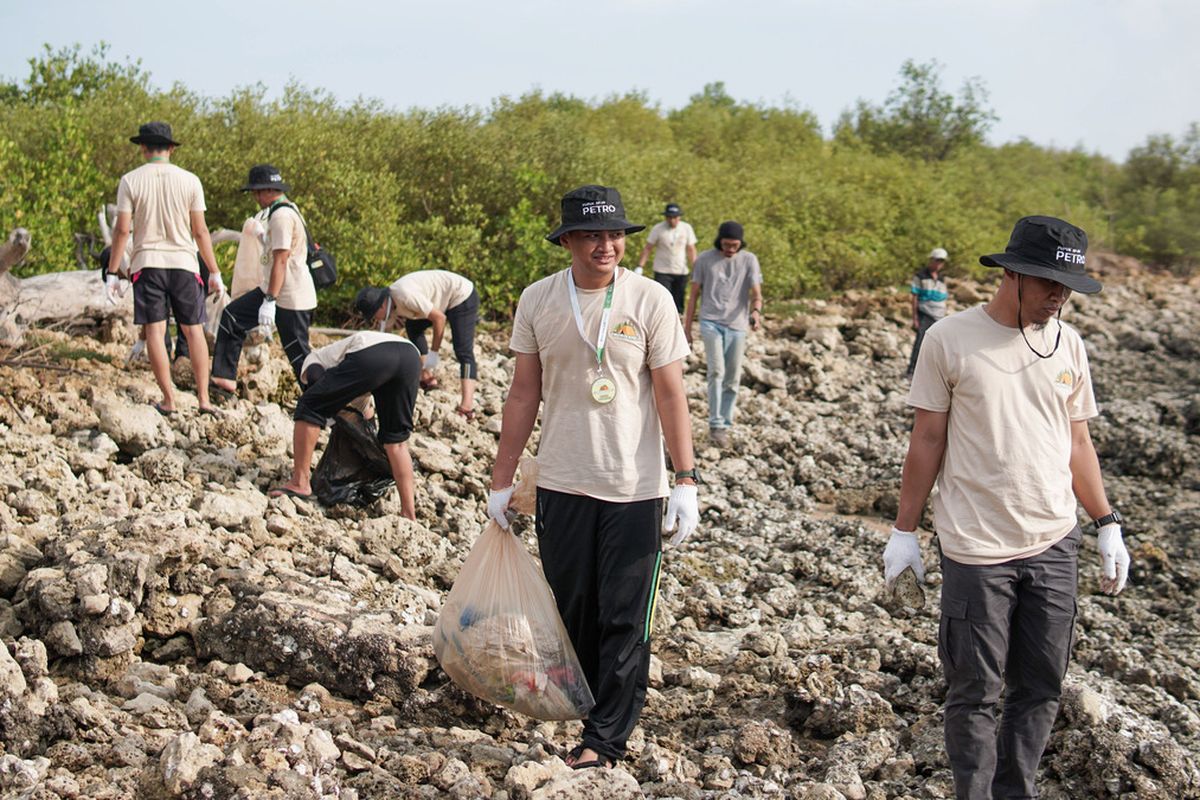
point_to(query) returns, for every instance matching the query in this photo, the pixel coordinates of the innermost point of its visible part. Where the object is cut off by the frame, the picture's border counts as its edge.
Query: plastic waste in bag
(499, 635)
(354, 468)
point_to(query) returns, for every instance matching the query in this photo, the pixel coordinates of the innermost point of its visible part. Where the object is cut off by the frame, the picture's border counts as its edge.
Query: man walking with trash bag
(1003, 394)
(381, 365)
(431, 298)
(602, 352)
(286, 295)
(163, 207)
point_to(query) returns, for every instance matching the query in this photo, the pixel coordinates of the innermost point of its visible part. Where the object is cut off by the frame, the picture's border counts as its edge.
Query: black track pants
(602, 561)
(241, 316)
(462, 320)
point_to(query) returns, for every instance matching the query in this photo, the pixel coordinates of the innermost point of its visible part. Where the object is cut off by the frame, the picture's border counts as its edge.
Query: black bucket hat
(1050, 248)
(730, 230)
(673, 210)
(264, 176)
(368, 300)
(154, 133)
(592, 208)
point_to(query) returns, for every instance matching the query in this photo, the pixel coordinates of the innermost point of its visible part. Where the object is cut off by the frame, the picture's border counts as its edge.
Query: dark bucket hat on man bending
(1050, 248)
(369, 300)
(154, 133)
(593, 208)
(264, 176)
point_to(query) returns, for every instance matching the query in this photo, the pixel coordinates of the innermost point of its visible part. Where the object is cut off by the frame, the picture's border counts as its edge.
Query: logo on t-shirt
(1064, 380)
(626, 330)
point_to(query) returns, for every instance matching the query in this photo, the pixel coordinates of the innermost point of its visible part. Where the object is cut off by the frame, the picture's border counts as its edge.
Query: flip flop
(166, 412)
(220, 393)
(210, 412)
(466, 413)
(430, 384)
(283, 491)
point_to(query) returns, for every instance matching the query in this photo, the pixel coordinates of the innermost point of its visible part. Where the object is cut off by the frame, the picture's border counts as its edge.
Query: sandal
(283, 491)
(430, 384)
(466, 413)
(220, 394)
(166, 412)
(210, 412)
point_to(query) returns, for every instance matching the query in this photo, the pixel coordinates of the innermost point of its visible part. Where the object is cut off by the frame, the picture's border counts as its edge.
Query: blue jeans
(723, 350)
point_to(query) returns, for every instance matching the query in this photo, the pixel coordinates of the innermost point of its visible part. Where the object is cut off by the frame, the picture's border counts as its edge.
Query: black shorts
(159, 291)
(389, 371)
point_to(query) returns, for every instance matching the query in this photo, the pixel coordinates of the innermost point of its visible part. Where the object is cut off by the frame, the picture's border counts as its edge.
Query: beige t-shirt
(1004, 489)
(285, 231)
(416, 294)
(670, 247)
(160, 198)
(614, 451)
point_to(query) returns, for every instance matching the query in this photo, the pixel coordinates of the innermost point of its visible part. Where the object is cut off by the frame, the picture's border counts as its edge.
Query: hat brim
(254, 187)
(607, 225)
(159, 140)
(1075, 281)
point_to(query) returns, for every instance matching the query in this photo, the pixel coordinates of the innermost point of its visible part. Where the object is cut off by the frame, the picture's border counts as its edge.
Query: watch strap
(1107, 519)
(692, 473)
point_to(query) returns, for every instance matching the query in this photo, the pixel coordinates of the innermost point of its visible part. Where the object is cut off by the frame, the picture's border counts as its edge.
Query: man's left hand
(1114, 558)
(683, 512)
(215, 284)
(431, 360)
(755, 319)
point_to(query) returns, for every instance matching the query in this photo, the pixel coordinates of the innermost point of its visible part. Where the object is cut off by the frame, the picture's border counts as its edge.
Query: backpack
(321, 264)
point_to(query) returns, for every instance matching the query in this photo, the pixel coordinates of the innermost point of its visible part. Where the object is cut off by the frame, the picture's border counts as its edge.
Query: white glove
(215, 284)
(1113, 557)
(498, 506)
(112, 286)
(683, 512)
(903, 550)
(136, 353)
(431, 361)
(266, 313)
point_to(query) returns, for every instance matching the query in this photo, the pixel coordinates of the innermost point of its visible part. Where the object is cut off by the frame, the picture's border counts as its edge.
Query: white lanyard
(602, 336)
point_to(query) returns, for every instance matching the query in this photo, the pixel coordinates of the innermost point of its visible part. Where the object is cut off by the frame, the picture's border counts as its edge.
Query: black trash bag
(354, 468)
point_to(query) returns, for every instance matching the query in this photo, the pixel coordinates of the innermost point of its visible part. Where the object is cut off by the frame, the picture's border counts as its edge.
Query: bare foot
(292, 489)
(224, 383)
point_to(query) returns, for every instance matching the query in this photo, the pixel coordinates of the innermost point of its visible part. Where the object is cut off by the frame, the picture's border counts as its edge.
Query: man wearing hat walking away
(1003, 394)
(928, 300)
(286, 296)
(602, 351)
(164, 207)
(674, 245)
(334, 376)
(728, 281)
(431, 298)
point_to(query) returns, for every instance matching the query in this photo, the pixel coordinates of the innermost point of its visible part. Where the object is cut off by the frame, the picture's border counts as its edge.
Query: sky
(1097, 74)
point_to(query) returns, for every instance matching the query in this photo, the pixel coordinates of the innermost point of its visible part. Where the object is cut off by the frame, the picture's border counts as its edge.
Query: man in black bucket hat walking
(1003, 394)
(602, 351)
(285, 297)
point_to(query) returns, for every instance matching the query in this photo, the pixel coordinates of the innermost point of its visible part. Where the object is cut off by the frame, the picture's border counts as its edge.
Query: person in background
(727, 280)
(163, 206)
(928, 300)
(674, 244)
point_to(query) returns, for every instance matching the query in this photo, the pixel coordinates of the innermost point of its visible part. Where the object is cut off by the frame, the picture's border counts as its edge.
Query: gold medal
(603, 390)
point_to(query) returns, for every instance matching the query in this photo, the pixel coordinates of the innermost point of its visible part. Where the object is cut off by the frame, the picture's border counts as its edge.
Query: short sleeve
(931, 384)
(915, 284)
(700, 271)
(197, 197)
(691, 235)
(281, 229)
(755, 270)
(1081, 403)
(665, 342)
(124, 198)
(524, 339)
(653, 237)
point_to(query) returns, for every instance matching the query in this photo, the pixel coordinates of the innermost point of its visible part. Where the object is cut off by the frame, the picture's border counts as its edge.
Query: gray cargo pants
(1005, 626)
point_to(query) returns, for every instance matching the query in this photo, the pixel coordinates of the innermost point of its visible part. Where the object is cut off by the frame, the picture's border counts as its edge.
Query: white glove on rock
(1114, 558)
(903, 550)
(112, 285)
(497, 507)
(683, 512)
(266, 313)
(431, 361)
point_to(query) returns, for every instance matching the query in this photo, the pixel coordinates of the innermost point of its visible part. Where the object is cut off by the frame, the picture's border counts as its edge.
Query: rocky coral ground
(169, 631)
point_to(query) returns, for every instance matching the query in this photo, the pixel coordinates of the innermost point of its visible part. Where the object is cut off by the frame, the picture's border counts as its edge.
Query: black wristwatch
(692, 473)
(1107, 519)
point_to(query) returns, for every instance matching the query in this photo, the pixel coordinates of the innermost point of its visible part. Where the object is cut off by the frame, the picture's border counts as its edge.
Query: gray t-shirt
(725, 287)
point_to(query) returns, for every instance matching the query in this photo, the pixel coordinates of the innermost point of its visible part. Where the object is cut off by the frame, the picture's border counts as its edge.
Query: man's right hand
(112, 288)
(903, 550)
(497, 506)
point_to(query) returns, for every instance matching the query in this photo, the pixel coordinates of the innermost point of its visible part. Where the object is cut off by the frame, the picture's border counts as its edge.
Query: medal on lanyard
(604, 389)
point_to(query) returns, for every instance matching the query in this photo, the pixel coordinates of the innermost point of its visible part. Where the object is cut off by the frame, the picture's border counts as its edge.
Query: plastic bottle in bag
(499, 635)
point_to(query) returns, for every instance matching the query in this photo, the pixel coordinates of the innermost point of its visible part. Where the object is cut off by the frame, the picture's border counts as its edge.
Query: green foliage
(920, 120)
(476, 190)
